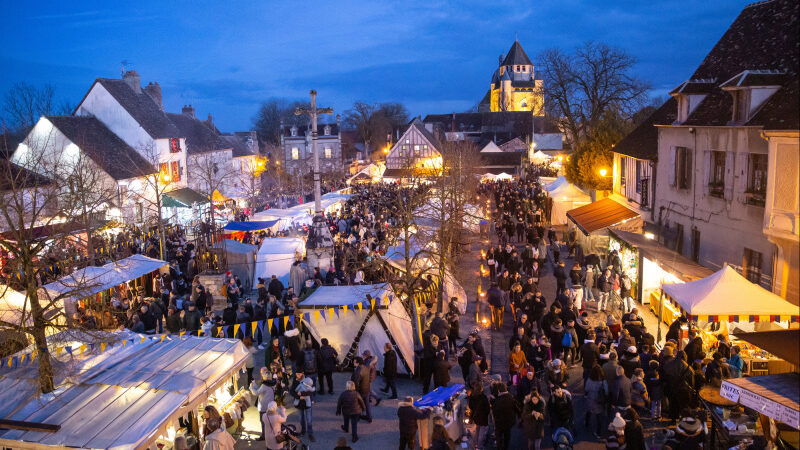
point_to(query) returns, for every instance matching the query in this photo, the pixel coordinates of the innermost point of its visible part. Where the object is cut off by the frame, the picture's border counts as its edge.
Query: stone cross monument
(319, 245)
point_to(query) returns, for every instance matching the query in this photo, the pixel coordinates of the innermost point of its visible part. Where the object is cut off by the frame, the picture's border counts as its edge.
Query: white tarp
(727, 293)
(556, 183)
(287, 218)
(90, 280)
(124, 398)
(341, 331)
(540, 157)
(276, 256)
(566, 196)
(373, 171)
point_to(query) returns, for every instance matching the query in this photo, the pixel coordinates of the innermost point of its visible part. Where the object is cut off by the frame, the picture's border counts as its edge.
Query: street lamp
(603, 172)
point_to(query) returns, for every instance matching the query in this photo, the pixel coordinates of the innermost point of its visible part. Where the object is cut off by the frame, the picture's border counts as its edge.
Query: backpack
(310, 361)
(566, 340)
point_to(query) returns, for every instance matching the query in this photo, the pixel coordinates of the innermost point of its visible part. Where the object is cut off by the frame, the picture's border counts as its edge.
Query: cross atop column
(313, 112)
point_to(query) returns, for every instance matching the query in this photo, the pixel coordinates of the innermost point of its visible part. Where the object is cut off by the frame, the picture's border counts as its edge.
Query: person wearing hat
(408, 415)
(688, 434)
(630, 360)
(272, 420)
(557, 374)
(475, 375)
(616, 436)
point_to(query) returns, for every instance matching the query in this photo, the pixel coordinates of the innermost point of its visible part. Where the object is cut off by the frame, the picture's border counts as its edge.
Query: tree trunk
(39, 337)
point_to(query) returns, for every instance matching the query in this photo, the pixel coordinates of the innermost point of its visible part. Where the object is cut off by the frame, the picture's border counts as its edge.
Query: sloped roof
(516, 123)
(16, 177)
(501, 158)
(642, 142)
(237, 144)
(200, 138)
(762, 39)
(516, 55)
(600, 214)
(142, 108)
(420, 126)
(105, 148)
(301, 130)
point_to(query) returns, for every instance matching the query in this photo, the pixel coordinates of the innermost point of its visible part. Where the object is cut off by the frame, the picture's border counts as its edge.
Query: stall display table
(449, 403)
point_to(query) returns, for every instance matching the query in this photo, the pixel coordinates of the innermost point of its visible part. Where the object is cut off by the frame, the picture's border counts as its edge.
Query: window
(174, 145)
(416, 150)
(741, 105)
(164, 170)
(327, 131)
(679, 238)
(425, 146)
(408, 141)
(751, 265)
(294, 131)
(638, 176)
(756, 179)
(622, 174)
(716, 179)
(176, 171)
(215, 168)
(683, 167)
(295, 153)
(123, 193)
(328, 153)
(139, 213)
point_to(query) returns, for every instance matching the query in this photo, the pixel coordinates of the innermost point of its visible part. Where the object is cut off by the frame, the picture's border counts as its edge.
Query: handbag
(280, 438)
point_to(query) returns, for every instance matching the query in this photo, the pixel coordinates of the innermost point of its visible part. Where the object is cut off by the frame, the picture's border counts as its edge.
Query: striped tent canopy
(728, 296)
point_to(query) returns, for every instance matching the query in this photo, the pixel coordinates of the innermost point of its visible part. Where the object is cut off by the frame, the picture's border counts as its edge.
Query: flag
(307, 317)
(22, 358)
(322, 313)
(285, 321)
(330, 313)
(180, 335)
(33, 355)
(69, 350)
(225, 331)
(124, 343)
(163, 336)
(103, 347)
(269, 324)
(336, 310)
(291, 319)
(372, 303)
(316, 316)
(344, 307)
(254, 327)
(360, 306)
(219, 330)
(200, 331)
(82, 349)
(10, 359)
(236, 330)
(261, 326)
(143, 338)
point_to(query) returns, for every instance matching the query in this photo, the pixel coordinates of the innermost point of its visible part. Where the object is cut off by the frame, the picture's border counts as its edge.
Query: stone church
(514, 86)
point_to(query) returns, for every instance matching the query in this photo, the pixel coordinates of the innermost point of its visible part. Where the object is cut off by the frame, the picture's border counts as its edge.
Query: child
(653, 383)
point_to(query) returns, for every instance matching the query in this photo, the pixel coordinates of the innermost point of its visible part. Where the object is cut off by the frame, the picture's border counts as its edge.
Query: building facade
(297, 149)
(734, 119)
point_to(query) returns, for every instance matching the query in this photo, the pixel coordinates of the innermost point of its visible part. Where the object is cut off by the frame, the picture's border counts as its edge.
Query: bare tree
(23, 104)
(582, 85)
(251, 182)
(375, 122)
(274, 112)
(33, 188)
(210, 172)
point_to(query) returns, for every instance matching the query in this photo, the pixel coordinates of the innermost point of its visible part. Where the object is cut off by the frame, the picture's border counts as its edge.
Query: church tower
(514, 86)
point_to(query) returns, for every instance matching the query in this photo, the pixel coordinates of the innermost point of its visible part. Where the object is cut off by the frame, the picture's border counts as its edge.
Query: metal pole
(660, 312)
(317, 200)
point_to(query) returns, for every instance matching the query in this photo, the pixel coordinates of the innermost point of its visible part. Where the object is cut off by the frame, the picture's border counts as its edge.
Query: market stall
(93, 286)
(276, 256)
(148, 390)
(725, 302)
(369, 174)
(333, 312)
(287, 218)
(241, 259)
(765, 352)
(449, 403)
(566, 196)
(650, 264)
(593, 221)
(237, 230)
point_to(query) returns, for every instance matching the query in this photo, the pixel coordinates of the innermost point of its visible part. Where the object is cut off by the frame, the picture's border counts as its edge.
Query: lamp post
(319, 245)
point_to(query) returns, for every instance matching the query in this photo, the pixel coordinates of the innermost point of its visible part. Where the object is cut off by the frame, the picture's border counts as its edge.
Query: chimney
(188, 110)
(500, 60)
(131, 77)
(209, 121)
(154, 91)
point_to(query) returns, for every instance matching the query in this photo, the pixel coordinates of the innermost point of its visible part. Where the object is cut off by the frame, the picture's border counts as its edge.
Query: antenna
(122, 64)
(516, 37)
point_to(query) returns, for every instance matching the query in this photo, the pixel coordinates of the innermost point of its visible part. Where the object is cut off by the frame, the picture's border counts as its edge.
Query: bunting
(316, 316)
(236, 330)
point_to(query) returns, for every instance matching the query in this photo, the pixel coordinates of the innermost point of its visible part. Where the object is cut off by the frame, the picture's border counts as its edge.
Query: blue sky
(224, 57)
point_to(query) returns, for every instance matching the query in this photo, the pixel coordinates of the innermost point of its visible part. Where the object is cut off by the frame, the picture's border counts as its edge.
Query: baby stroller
(562, 439)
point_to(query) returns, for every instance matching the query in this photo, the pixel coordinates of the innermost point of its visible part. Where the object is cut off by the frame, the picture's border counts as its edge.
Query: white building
(721, 156)
(298, 155)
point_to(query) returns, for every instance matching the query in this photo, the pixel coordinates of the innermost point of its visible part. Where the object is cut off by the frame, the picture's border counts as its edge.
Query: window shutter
(707, 161)
(729, 175)
(688, 167)
(672, 172)
(740, 172)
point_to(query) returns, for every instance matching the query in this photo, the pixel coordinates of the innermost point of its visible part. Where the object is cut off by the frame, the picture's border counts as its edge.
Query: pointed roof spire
(516, 55)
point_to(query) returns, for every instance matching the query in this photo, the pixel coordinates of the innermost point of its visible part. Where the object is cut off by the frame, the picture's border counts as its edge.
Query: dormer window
(294, 131)
(741, 105)
(327, 131)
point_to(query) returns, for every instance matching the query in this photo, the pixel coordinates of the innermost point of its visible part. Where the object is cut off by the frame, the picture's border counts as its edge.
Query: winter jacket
(533, 427)
(390, 363)
(441, 372)
(265, 392)
(495, 297)
(310, 361)
(272, 426)
(173, 323)
(560, 408)
(219, 440)
(621, 392)
(350, 403)
(478, 405)
(590, 354)
(328, 359)
(191, 321)
(408, 415)
(505, 411)
(361, 378)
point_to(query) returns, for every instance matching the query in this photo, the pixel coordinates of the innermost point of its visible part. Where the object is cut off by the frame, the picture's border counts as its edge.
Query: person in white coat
(264, 390)
(219, 439)
(273, 419)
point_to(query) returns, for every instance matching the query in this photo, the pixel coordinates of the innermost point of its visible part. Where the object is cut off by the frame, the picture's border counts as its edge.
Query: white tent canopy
(287, 218)
(276, 256)
(241, 260)
(341, 331)
(566, 196)
(556, 183)
(124, 398)
(373, 171)
(90, 280)
(727, 293)
(540, 157)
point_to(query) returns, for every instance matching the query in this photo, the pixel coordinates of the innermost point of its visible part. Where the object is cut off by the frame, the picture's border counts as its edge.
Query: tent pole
(660, 312)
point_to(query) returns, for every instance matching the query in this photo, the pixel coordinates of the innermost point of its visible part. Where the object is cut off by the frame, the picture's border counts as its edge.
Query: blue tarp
(250, 226)
(438, 395)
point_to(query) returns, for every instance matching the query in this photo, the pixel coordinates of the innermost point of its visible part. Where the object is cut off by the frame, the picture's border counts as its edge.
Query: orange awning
(600, 214)
(219, 197)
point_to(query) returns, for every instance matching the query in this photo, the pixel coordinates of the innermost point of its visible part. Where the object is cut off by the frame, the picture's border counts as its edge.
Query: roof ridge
(759, 3)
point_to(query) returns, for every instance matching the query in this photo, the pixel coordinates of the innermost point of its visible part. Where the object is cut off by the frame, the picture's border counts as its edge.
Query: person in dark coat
(504, 411)
(590, 355)
(389, 370)
(350, 406)
(533, 419)
(363, 386)
(634, 432)
(621, 391)
(328, 358)
(674, 329)
(694, 349)
(191, 320)
(560, 410)
(441, 370)
(478, 407)
(679, 379)
(173, 322)
(408, 415)
(275, 287)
